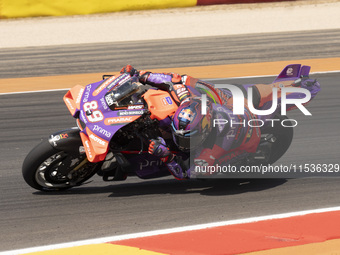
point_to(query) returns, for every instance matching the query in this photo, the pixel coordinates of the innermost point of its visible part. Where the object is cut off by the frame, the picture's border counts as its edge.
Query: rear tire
(284, 137)
(48, 169)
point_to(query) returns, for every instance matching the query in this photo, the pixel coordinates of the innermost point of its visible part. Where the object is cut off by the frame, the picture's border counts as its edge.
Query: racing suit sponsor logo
(162, 76)
(153, 163)
(181, 91)
(149, 163)
(178, 86)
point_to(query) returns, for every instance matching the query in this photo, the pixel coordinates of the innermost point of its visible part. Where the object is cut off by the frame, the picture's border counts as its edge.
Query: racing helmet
(189, 126)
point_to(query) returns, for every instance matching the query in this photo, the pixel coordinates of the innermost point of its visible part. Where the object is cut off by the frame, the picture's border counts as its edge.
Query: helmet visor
(189, 141)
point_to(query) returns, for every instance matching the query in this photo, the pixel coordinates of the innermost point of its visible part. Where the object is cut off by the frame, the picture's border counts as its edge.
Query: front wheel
(46, 168)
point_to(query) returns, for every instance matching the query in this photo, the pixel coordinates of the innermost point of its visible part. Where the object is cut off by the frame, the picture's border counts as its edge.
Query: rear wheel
(46, 168)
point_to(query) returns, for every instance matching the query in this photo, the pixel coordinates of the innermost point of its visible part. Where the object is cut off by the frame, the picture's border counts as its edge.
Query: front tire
(48, 169)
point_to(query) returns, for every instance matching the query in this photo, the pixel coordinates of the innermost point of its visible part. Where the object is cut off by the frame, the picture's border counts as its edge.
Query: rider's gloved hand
(158, 148)
(129, 69)
(143, 76)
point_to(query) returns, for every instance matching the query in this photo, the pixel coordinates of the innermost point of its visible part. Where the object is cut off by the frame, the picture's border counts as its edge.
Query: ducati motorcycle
(115, 117)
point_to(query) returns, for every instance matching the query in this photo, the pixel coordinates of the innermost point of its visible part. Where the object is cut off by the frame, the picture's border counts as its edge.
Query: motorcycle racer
(194, 132)
(188, 120)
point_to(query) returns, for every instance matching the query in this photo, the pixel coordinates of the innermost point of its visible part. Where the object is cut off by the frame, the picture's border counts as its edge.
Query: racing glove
(158, 148)
(129, 69)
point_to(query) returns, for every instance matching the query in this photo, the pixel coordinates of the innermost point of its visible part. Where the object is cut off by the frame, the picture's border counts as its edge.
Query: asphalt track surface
(219, 50)
(31, 218)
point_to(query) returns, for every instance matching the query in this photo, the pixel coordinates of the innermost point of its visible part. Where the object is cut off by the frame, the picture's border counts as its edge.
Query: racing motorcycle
(115, 117)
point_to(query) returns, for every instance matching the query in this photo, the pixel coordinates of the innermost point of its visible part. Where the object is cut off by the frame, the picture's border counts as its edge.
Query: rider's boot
(177, 170)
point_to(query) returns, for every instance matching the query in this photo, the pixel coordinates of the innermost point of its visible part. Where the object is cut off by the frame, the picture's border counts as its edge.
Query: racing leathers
(229, 141)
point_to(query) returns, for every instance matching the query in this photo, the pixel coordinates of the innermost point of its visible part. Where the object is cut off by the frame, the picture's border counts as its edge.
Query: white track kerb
(170, 231)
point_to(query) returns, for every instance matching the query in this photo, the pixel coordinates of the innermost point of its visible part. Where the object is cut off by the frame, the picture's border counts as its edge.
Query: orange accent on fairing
(159, 110)
(72, 98)
(96, 148)
(71, 106)
(103, 86)
(88, 147)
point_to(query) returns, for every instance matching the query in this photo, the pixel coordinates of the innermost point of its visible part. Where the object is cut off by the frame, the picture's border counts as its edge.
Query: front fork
(69, 141)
